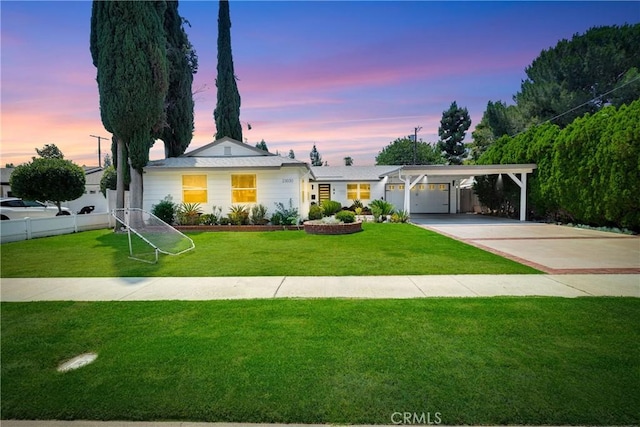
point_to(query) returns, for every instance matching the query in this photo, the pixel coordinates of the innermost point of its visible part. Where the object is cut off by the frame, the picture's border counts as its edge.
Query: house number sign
(287, 180)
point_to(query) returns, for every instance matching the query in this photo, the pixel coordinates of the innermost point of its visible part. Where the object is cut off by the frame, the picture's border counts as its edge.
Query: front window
(194, 188)
(359, 191)
(243, 189)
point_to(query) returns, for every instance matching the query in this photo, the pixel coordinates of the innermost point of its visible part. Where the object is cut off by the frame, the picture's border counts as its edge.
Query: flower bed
(184, 228)
(319, 227)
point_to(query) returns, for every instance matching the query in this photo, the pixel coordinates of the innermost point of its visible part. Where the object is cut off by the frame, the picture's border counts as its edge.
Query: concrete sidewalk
(222, 288)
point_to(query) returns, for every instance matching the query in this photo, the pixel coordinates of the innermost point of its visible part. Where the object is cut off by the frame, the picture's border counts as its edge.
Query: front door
(324, 191)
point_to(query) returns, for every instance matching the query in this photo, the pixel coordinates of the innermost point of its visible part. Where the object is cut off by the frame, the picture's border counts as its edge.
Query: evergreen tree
(316, 158)
(262, 145)
(292, 155)
(227, 112)
(582, 75)
(453, 126)
(128, 48)
(348, 161)
(183, 64)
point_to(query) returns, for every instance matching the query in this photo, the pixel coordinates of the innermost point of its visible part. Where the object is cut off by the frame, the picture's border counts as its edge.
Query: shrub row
(588, 172)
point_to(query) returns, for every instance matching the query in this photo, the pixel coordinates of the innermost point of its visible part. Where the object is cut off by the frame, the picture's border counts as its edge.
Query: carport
(411, 175)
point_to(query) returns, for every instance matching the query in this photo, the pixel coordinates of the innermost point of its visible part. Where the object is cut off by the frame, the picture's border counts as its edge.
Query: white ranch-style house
(227, 172)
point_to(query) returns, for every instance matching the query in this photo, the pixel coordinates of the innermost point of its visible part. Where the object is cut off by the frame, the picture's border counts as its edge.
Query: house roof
(351, 173)
(226, 162)
(250, 150)
(212, 155)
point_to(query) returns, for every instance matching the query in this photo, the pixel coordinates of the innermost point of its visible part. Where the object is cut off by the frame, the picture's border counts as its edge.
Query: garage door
(394, 194)
(430, 198)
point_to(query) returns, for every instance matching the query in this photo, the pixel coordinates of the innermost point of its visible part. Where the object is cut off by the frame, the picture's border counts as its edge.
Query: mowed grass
(381, 249)
(545, 361)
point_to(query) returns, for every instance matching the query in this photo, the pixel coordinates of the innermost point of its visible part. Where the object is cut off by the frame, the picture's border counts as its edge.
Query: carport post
(522, 183)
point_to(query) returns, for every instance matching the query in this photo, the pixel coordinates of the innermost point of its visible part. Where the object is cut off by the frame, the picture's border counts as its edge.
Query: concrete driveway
(550, 248)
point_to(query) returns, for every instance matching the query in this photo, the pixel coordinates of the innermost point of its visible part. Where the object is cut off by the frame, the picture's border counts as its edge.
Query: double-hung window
(243, 188)
(194, 188)
(359, 191)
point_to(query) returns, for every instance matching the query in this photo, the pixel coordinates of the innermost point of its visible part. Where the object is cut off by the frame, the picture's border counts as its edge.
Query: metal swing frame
(124, 221)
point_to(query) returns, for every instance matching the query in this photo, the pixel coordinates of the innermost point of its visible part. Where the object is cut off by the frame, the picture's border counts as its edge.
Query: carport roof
(462, 170)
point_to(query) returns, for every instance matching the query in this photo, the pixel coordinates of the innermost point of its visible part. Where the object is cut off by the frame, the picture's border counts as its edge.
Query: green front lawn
(472, 361)
(381, 249)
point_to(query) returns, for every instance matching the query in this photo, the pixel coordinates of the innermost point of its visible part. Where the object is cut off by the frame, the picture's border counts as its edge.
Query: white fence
(30, 228)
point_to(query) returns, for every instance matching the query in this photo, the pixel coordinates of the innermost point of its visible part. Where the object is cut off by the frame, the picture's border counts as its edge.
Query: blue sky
(348, 76)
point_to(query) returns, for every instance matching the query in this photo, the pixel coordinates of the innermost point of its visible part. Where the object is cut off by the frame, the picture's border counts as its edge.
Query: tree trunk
(121, 164)
(135, 189)
(120, 175)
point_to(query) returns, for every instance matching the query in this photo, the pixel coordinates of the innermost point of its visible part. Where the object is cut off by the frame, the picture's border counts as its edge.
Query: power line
(592, 100)
(581, 105)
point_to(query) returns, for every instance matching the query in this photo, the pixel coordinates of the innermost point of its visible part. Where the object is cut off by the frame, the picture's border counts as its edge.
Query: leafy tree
(262, 145)
(454, 124)
(108, 180)
(348, 161)
(183, 64)
(48, 179)
(582, 75)
(50, 151)
(292, 155)
(128, 47)
(227, 112)
(400, 152)
(316, 158)
(498, 120)
(481, 139)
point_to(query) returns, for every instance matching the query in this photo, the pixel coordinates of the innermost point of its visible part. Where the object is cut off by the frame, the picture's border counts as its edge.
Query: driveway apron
(551, 248)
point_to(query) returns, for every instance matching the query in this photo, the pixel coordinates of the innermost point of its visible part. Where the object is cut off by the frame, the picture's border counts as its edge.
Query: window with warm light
(358, 191)
(194, 188)
(243, 188)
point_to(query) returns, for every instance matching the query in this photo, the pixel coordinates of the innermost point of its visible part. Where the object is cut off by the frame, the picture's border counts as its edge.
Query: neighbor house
(227, 172)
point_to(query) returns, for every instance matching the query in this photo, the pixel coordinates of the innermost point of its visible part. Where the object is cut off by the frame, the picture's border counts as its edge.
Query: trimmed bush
(330, 207)
(315, 212)
(165, 210)
(346, 216)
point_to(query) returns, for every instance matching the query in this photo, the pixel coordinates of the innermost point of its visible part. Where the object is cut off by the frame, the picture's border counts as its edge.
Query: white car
(14, 208)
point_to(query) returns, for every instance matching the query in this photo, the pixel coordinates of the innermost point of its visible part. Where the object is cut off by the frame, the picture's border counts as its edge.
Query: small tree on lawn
(48, 179)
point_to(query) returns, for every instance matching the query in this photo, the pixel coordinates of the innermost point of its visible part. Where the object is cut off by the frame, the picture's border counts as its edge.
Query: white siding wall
(272, 186)
(339, 191)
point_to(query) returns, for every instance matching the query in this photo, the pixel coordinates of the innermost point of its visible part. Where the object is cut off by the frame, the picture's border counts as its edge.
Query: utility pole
(99, 154)
(415, 144)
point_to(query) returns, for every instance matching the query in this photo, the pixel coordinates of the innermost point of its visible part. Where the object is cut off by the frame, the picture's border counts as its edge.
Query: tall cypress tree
(227, 112)
(183, 64)
(454, 124)
(128, 47)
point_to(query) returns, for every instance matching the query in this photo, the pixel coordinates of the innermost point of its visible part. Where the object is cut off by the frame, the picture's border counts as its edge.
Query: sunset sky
(349, 76)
